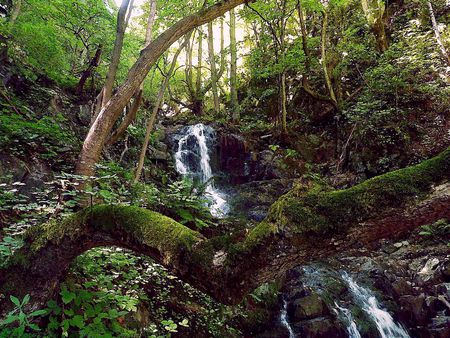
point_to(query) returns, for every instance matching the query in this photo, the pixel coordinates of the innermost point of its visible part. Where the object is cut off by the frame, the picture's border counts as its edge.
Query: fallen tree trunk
(306, 224)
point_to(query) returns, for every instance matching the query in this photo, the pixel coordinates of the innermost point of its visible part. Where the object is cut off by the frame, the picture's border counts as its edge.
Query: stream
(193, 160)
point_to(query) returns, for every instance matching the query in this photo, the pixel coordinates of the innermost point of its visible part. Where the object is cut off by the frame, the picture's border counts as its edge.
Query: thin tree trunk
(129, 118)
(374, 12)
(117, 51)
(212, 65)
(304, 44)
(437, 34)
(233, 69)
(283, 103)
(150, 22)
(198, 80)
(103, 124)
(88, 72)
(324, 57)
(16, 11)
(152, 119)
(137, 99)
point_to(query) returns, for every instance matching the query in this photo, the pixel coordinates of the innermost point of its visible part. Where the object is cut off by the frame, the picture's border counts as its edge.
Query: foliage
(46, 132)
(439, 230)
(59, 37)
(19, 322)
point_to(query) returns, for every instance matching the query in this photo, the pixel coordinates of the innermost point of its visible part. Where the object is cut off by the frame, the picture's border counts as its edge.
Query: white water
(346, 314)
(218, 204)
(382, 319)
(284, 320)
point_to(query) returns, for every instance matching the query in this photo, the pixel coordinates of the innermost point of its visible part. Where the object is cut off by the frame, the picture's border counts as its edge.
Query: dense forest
(225, 168)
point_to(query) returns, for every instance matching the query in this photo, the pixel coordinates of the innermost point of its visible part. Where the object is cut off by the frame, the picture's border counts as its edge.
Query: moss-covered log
(306, 224)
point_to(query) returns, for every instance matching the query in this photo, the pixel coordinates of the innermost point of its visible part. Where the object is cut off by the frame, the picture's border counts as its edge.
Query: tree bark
(283, 103)
(128, 119)
(198, 79)
(212, 65)
(150, 22)
(117, 50)
(152, 119)
(374, 12)
(304, 44)
(302, 226)
(102, 126)
(437, 34)
(88, 72)
(233, 69)
(137, 98)
(324, 58)
(16, 11)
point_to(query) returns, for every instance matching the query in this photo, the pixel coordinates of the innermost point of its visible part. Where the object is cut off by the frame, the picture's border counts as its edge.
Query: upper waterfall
(192, 159)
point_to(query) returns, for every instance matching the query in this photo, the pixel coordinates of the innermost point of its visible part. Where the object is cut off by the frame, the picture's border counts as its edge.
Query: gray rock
(309, 307)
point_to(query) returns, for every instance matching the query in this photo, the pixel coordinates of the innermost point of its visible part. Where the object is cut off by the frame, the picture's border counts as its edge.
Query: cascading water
(386, 326)
(284, 320)
(192, 160)
(324, 281)
(347, 318)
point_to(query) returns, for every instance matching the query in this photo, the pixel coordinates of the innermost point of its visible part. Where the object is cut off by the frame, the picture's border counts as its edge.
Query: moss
(317, 211)
(148, 227)
(321, 211)
(54, 231)
(145, 226)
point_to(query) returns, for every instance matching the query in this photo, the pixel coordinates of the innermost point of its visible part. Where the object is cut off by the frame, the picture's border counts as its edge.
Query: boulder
(321, 327)
(309, 307)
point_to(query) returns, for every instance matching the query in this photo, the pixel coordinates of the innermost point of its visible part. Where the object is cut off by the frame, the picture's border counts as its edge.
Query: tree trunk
(101, 128)
(128, 119)
(324, 58)
(374, 12)
(198, 79)
(283, 103)
(301, 226)
(88, 72)
(117, 51)
(212, 65)
(137, 98)
(233, 69)
(437, 34)
(304, 45)
(151, 121)
(150, 22)
(16, 11)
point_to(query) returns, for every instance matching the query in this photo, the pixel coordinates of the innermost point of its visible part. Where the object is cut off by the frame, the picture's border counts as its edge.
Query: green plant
(19, 322)
(7, 247)
(439, 230)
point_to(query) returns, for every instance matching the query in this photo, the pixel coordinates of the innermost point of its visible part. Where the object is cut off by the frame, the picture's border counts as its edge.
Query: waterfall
(346, 314)
(192, 160)
(284, 320)
(382, 319)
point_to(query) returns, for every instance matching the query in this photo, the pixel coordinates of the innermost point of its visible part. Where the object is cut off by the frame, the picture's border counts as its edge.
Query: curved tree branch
(308, 223)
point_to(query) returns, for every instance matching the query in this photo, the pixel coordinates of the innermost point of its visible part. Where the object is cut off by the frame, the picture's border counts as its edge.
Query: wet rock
(428, 270)
(321, 327)
(440, 327)
(413, 308)
(446, 270)
(401, 287)
(309, 307)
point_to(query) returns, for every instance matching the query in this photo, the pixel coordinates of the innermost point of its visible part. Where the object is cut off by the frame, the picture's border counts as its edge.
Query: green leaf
(67, 296)
(77, 321)
(9, 320)
(15, 300)
(38, 313)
